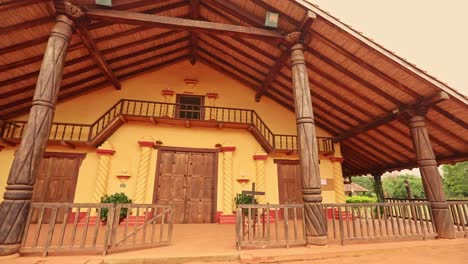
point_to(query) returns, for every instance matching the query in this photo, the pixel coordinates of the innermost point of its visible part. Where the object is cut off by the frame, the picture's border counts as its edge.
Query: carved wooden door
(289, 183)
(187, 180)
(56, 181)
(171, 184)
(200, 188)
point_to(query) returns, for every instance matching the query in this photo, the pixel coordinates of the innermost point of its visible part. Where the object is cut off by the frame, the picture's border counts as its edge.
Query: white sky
(432, 34)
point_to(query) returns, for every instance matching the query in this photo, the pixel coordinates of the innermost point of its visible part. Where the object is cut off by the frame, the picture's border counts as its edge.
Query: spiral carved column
(338, 180)
(260, 158)
(432, 182)
(17, 197)
(228, 196)
(315, 225)
(147, 146)
(105, 152)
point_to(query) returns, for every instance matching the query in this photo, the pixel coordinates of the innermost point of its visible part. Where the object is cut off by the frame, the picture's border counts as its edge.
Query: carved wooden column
(338, 180)
(316, 231)
(19, 189)
(147, 147)
(105, 152)
(432, 182)
(378, 188)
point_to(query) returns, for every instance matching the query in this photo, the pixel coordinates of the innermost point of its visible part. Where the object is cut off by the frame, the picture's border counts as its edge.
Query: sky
(432, 34)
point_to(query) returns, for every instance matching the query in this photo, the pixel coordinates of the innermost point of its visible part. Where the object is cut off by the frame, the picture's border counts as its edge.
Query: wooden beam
(426, 102)
(283, 58)
(96, 55)
(194, 14)
(237, 12)
(181, 24)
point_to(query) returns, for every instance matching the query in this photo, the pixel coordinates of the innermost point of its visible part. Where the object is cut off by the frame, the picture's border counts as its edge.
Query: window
(190, 106)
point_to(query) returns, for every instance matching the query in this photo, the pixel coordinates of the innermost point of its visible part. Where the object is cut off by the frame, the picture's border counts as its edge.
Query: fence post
(239, 228)
(109, 229)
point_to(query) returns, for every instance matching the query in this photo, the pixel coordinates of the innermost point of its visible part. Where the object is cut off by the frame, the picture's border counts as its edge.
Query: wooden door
(187, 180)
(171, 181)
(289, 182)
(56, 180)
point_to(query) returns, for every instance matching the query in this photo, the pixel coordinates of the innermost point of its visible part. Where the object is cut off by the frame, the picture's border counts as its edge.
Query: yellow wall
(87, 108)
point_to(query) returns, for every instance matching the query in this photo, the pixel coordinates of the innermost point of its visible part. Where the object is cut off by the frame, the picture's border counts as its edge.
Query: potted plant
(116, 198)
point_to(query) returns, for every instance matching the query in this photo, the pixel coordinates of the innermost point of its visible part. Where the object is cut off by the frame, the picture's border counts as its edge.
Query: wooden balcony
(74, 134)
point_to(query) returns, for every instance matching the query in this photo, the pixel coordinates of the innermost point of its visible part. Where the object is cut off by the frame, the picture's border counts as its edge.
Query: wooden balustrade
(265, 225)
(75, 227)
(146, 110)
(379, 221)
(459, 212)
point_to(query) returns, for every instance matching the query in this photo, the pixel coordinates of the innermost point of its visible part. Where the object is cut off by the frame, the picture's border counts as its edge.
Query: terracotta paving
(194, 243)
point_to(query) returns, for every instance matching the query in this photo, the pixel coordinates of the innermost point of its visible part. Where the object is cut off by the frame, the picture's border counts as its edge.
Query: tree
(394, 186)
(455, 180)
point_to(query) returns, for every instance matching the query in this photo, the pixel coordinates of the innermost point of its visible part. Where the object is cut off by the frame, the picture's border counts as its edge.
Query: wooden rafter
(43, 40)
(281, 61)
(382, 75)
(412, 164)
(96, 55)
(92, 67)
(12, 4)
(93, 86)
(269, 7)
(194, 14)
(426, 102)
(181, 24)
(236, 11)
(112, 61)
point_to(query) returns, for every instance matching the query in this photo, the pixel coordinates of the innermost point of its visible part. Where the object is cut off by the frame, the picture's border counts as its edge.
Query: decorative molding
(293, 37)
(149, 144)
(105, 152)
(227, 149)
(167, 92)
(337, 159)
(212, 95)
(73, 11)
(260, 156)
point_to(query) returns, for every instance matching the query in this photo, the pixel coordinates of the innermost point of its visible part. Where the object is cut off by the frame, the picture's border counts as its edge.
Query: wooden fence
(266, 225)
(459, 212)
(272, 225)
(74, 227)
(379, 221)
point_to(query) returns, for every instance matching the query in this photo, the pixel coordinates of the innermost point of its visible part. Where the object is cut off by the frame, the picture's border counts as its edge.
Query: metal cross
(253, 192)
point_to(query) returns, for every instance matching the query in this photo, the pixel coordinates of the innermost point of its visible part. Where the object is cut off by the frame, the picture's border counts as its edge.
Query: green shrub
(361, 199)
(244, 199)
(116, 198)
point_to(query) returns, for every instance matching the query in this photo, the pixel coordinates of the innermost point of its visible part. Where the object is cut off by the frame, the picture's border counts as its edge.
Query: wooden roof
(356, 84)
(354, 187)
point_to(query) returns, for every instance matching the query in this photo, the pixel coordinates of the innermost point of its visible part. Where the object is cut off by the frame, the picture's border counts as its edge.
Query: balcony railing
(12, 131)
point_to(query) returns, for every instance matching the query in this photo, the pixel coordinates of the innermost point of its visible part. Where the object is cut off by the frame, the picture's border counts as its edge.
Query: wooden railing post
(309, 161)
(23, 172)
